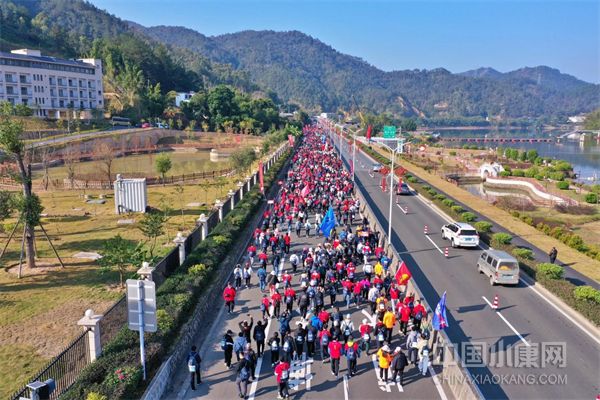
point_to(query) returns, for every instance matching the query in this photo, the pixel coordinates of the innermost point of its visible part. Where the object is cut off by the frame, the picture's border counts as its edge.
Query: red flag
(403, 275)
(261, 177)
(369, 129)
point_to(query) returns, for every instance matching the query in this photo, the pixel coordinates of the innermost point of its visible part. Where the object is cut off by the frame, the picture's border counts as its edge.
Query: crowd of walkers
(303, 292)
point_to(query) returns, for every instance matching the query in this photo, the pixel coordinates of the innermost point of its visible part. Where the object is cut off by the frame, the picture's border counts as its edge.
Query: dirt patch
(41, 267)
(51, 331)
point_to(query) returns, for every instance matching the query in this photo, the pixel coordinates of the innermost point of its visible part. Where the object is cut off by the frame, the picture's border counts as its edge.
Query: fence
(64, 368)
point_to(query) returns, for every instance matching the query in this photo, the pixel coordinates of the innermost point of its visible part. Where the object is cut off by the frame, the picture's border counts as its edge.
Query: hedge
(526, 254)
(501, 239)
(483, 226)
(457, 209)
(587, 293)
(591, 198)
(448, 202)
(550, 271)
(176, 300)
(468, 217)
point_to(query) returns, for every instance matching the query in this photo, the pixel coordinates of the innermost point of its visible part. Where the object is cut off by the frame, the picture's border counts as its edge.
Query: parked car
(460, 234)
(146, 125)
(499, 266)
(376, 167)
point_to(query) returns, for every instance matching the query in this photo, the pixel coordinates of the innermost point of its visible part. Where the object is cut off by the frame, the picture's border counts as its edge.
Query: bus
(120, 121)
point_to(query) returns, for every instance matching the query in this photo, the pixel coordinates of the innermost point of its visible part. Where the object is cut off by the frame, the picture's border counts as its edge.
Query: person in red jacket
(404, 312)
(229, 297)
(282, 371)
(365, 333)
(287, 240)
(324, 317)
(276, 301)
(289, 296)
(419, 313)
(335, 352)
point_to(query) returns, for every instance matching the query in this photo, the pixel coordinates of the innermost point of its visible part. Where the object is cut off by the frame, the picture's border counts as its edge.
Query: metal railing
(64, 368)
(113, 320)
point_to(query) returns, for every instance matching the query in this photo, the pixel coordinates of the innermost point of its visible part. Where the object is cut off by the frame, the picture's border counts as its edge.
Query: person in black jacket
(300, 339)
(227, 347)
(193, 362)
(246, 329)
(259, 336)
(399, 362)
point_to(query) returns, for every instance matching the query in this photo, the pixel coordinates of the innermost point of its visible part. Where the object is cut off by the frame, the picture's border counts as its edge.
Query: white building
(183, 97)
(577, 119)
(51, 86)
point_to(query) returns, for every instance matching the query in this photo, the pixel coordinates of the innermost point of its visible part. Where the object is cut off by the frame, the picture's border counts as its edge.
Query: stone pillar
(240, 185)
(203, 222)
(248, 180)
(91, 322)
(254, 179)
(180, 242)
(145, 272)
(231, 195)
(219, 207)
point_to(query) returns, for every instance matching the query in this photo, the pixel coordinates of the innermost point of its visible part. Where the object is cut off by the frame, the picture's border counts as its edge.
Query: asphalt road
(514, 342)
(311, 378)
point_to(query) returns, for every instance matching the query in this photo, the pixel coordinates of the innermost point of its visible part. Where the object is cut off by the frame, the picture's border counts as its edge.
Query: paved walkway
(310, 378)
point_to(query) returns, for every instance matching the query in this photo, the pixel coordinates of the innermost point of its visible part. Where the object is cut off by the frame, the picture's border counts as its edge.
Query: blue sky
(392, 35)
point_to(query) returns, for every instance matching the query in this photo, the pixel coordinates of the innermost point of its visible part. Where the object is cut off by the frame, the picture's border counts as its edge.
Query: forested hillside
(303, 69)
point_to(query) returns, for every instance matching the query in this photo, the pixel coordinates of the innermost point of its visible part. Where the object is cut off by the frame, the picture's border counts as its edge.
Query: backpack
(347, 331)
(288, 299)
(274, 345)
(310, 336)
(419, 316)
(286, 346)
(244, 374)
(262, 307)
(223, 344)
(285, 374)
(325, 340)
(351, 353)
(260, 335)
(380, 336)
(238, 346)
(192, 362)
(300, 338)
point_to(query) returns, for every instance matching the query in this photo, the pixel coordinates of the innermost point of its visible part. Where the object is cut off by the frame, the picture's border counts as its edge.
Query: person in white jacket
(347, 327)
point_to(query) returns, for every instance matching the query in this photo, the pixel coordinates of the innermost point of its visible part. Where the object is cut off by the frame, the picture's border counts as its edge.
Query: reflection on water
(584, 156)
(491, 194)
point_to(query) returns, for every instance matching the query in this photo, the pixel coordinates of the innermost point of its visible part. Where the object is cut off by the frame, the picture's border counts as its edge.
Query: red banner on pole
(291, 139)
(261, 178)
(369, 129)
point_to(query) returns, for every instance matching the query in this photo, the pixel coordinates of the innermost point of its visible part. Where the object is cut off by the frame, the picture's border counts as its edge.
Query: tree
(179, 189)
(120, 254)
(70, 158)
(152, 227)
(7, 204)
(163, 165)
(104, 153)
(532, 155)
(30, 206)
(243, 158)
(23, 110)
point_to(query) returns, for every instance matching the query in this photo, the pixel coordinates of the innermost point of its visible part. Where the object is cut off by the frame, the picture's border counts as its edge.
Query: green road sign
(389, 132)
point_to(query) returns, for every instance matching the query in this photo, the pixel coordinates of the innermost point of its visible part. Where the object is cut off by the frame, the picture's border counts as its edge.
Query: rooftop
(36, 55)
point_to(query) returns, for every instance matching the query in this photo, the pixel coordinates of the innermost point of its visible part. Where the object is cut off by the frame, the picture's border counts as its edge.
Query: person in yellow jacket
(378, 269)
(389, 320)
(385, 359)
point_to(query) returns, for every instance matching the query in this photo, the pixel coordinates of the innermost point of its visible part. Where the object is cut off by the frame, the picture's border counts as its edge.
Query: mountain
(75, 28)
(302, 69)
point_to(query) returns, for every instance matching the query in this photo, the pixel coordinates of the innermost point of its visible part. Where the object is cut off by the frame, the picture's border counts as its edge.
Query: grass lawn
(575, 259)
(39, 313)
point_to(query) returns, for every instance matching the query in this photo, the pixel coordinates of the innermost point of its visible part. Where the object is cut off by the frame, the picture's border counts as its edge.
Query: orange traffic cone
(495, 303)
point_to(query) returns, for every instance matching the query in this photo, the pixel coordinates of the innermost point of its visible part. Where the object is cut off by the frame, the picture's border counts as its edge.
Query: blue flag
(328, 223)
(440, 321)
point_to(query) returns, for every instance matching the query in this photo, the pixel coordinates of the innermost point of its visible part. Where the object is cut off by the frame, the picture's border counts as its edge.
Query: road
(311, 378)
(511, 341)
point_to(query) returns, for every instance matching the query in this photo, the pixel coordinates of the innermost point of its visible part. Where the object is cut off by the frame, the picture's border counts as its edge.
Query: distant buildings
(51, 86)
(577, 119)
(183, 97)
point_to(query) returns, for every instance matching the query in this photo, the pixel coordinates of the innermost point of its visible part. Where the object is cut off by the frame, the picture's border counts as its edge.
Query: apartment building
(52, 87)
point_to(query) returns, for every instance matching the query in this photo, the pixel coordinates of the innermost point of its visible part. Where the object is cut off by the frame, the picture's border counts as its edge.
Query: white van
(499, 266)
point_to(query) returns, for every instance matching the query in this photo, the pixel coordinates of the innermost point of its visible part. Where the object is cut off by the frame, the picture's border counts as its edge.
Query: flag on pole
(403, 275)
(440, 321)
(305, 191)
(328, 222)
(369, 129)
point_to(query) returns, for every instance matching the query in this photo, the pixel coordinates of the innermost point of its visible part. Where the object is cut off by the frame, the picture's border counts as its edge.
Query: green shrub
(587, 293)
(504, 173)
(483, 226)
(440, 197)
(448, 202)
(197, 270)
(527, 219)
(426, 187)
(518, 172)
(575, 242)
(468, 217)
(591, 198)
(515, 214)
(562, 185)
(452, 153)
(550, 271)
(432, 192)
(531, 172)
(95, 396)
(557, 176)
(165, 321)
(501, 239)
(539, 177)
(458, 209)
(526, 254)
(412, 179)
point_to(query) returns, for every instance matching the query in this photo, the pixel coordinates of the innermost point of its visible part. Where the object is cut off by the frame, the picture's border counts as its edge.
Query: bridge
(496, 140)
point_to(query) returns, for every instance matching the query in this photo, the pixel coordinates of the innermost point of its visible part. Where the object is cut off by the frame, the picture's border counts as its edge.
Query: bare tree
(105, 154)
(70, 157)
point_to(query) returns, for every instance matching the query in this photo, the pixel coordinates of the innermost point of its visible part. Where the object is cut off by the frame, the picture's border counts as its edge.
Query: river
(584, 156)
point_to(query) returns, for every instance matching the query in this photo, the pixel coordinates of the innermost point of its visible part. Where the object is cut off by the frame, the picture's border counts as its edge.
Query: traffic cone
(425, 229)
(446, 252)
(495, 303)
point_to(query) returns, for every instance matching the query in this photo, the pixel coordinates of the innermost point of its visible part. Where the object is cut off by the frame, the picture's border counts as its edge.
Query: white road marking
(372, 318)
(438, 384)
(577, 324)
(346, 389)
(405, 211)
(436, 246)
(507, 323)
(383, 386)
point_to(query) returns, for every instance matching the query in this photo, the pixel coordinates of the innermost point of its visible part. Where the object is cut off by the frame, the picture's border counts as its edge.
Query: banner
(291, 139)
(328, 223)
(369, 129)
(440, 321)
(403, 275)
(261, 177)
